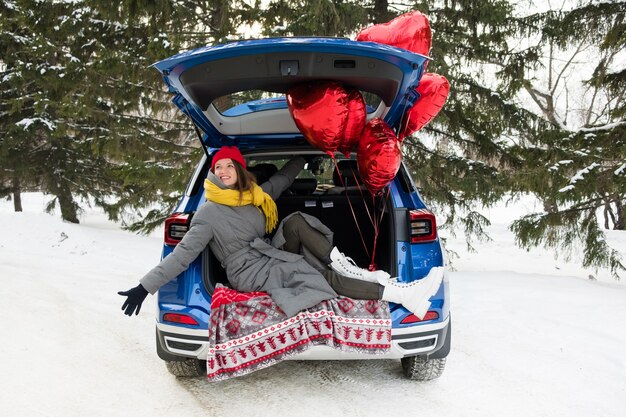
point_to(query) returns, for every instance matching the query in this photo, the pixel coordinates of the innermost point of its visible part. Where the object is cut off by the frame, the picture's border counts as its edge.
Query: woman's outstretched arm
(280, 181)
(193, 243)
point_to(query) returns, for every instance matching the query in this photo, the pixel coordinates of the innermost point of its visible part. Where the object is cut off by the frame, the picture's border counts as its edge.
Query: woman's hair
(245, 179)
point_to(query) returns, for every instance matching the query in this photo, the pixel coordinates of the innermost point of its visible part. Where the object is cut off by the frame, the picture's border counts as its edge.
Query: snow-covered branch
(609, 126)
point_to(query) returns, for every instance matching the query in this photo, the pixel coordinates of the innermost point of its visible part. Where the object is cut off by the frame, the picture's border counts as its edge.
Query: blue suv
(235, 95)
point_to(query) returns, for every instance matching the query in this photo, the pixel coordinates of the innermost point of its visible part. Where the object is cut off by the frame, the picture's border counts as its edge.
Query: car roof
(202, 78)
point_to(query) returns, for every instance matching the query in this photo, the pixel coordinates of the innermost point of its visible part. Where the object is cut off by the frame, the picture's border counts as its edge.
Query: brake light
(179, 318)
(412, 318)
(423, 226)
(175, 228)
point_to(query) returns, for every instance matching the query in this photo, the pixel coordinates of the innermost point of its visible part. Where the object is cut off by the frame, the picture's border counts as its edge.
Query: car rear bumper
(425, 339)
(176, 343)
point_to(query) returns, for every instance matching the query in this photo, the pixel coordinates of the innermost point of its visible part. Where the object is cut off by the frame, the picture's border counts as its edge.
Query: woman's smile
(225, 171)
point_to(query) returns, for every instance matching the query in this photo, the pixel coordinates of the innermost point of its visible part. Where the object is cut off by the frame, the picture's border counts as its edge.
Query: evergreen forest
(536, 107)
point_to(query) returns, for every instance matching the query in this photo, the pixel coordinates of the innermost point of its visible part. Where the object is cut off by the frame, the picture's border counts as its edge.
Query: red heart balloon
(355, 123)
(433, 90)
(378, 156)
(408, 31)
(320, 112)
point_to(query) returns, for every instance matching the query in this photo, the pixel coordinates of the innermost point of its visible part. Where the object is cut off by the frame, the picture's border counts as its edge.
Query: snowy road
(542, 341)
(524, 345)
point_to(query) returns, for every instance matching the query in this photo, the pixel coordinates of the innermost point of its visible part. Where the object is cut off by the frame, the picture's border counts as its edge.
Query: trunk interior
(336, 212)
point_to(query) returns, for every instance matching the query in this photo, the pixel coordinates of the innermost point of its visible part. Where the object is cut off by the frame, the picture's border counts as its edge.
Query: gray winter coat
(236, 237)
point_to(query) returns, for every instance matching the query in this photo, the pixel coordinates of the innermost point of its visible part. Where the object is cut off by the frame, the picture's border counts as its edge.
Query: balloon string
(384, 205)
(377, 225)
(351, 208)
(367, 210)
(372, 266)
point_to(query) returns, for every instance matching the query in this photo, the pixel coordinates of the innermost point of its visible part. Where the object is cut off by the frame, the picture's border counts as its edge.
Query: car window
(228, 102)
(258, 100)
(321, 168)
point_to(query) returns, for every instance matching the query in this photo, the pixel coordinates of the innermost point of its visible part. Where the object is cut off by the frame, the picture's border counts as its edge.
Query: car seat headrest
(349, 171)
(263, 171)
(303, 186)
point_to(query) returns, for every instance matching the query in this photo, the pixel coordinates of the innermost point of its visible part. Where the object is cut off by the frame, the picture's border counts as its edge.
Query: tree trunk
(549, 206)
(608, 211)
(381, 12)
(69, 208)
(620, 223)
(219, 26)
(17, 194)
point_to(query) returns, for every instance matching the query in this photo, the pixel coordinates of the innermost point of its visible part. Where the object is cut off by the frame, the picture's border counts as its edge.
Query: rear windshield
(226, 104)
(320, 170)
(319, 176)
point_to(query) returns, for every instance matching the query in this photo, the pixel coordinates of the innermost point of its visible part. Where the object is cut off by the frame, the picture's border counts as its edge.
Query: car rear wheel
(420, 368)
(187, 368)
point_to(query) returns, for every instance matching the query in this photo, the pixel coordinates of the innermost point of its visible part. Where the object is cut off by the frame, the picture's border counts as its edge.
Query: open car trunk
(334, 212)
(344, 207)
(200, 79)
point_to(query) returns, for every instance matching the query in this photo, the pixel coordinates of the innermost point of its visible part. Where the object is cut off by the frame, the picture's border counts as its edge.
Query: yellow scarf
(256, 197)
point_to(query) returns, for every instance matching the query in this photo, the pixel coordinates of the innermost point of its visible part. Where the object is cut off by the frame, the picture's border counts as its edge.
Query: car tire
(420, 368)
(186, 368)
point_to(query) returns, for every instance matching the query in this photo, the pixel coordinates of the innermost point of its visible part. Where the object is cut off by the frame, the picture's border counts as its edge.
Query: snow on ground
(532, 336)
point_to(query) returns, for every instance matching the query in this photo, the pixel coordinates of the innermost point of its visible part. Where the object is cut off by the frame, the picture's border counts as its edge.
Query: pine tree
(579, 163)
(156, 179)
(312, 18)
(61, 99)
(15, 145)
(83, 114)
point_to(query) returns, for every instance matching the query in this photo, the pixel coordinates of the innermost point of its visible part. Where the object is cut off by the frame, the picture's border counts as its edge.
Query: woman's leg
(353, 288)
(299, 233)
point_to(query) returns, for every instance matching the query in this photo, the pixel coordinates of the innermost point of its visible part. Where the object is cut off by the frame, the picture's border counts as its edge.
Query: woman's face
(225, 171)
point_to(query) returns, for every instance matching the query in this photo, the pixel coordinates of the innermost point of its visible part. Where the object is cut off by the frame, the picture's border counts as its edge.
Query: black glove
(135, 298)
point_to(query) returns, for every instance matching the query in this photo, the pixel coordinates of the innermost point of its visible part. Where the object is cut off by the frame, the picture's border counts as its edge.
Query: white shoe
(345, 266)
(415, 295)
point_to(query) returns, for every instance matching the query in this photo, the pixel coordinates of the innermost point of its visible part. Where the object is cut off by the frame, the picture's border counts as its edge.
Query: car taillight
(175, 228)
(423, 226)
(179, 318)
(412, 318)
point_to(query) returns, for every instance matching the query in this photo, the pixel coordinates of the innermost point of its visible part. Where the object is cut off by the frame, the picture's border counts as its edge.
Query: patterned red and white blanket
(248, 331)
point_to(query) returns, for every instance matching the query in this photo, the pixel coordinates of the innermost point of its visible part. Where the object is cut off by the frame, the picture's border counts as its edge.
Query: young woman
(234, 221)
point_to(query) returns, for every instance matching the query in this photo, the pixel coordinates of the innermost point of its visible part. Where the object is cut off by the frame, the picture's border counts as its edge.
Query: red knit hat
(228, 152)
